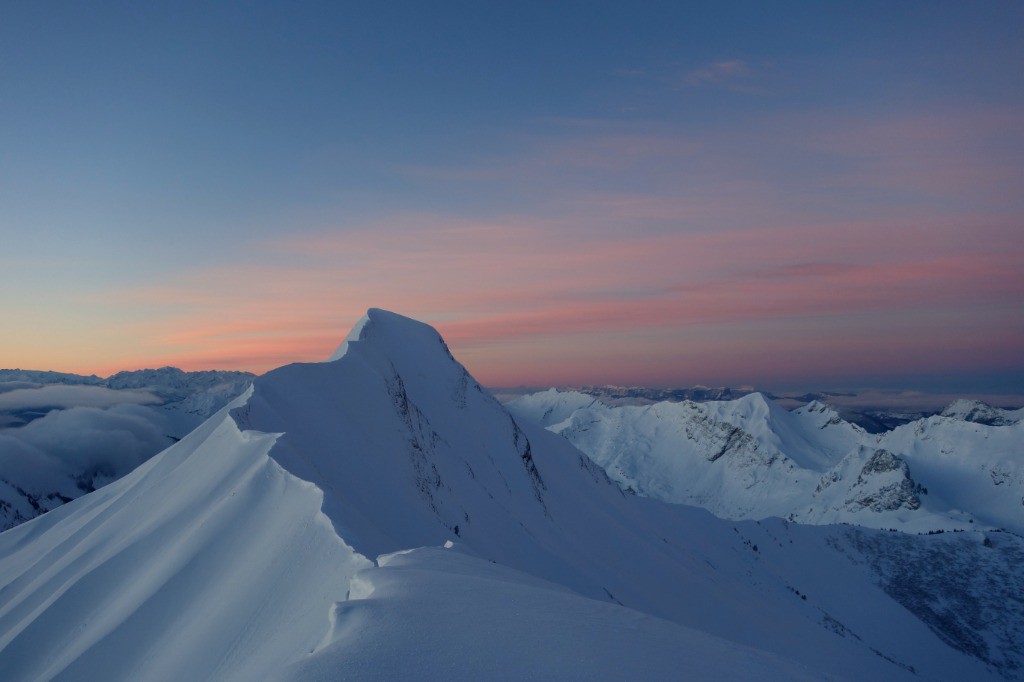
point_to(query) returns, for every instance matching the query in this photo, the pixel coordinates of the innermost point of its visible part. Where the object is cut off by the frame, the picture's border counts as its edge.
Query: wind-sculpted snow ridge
(208, 561)
(749, 458)
(382, 515)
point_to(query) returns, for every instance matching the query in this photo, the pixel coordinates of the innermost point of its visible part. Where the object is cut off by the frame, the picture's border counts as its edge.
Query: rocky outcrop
(884, 484)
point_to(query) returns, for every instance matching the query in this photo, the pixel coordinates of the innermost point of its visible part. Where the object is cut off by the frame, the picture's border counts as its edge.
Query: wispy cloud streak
(496, 287)
(885, 245)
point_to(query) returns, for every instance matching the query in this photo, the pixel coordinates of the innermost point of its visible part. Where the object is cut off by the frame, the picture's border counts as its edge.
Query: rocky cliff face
(884, 484)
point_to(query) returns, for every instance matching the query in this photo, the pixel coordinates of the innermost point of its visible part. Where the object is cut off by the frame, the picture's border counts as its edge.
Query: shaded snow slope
(748, 458)
(460, 616)
(966, 466)
(244, 552)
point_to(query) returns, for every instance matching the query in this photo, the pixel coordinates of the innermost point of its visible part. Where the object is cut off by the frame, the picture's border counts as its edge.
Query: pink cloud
(495, 289)
(725, 251)
(835, 163)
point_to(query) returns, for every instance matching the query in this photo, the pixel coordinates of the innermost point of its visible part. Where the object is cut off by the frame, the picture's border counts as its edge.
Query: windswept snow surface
(750, 459)
(429, 599)
(298, 534)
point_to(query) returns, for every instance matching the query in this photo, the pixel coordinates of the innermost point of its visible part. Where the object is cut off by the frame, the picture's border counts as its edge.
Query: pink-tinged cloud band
(529, 302)
(701, 260)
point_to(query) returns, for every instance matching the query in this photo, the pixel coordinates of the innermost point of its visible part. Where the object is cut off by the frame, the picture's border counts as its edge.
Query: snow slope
(459, 615)
(298, 533)
(967, 466)
(748, 458)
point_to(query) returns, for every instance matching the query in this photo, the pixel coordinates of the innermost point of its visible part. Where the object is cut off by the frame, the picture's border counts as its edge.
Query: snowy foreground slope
(750, 459)
(381, 515)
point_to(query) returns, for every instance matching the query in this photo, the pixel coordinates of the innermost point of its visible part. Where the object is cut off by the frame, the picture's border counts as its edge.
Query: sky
(786, 195)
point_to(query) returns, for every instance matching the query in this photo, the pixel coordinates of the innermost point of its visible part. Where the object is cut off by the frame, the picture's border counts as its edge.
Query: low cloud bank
(64, 397)
(90, 436)
(80, 445)
(916, 401)
(61, 440)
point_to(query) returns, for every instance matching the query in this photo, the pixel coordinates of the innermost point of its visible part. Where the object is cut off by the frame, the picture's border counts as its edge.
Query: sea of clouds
(52, 433)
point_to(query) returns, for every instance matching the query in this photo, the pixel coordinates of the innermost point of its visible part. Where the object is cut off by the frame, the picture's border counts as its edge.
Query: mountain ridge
(748, 458)
(306, 487)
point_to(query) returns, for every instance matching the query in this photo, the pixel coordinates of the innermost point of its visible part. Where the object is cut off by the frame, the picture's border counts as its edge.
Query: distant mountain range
(877, 415)
(187, 393)
(749, 458)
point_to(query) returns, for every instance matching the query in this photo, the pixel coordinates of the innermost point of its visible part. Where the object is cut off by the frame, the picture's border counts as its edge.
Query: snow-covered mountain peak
(393, 344)
(877, 481)
(754, 413)
(139, 377)
(382, 429)
(410, 346)
(375, 317)
(778, 430)
(981, 413)
(552, 406)
(753, 406)
(824, 417)
(820, 408)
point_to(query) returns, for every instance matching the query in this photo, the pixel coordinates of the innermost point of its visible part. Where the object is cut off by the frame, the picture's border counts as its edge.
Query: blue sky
(233, 184)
